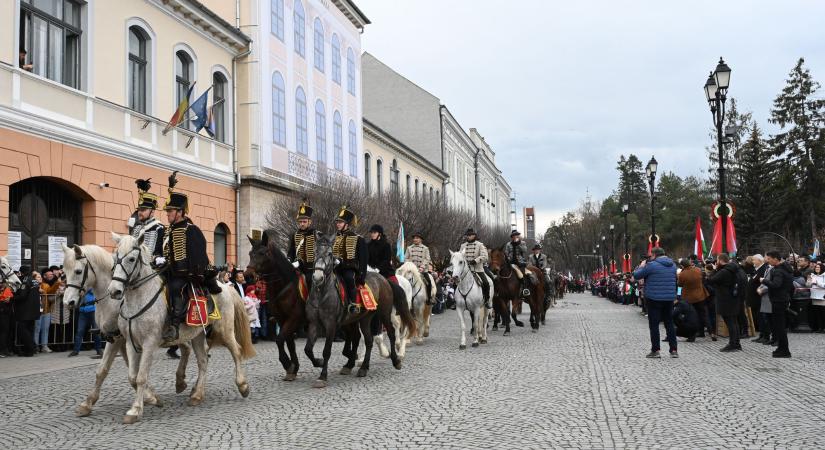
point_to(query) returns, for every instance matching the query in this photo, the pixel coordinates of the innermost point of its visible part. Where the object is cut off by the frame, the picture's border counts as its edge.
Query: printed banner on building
(15, 249)
(56, 244)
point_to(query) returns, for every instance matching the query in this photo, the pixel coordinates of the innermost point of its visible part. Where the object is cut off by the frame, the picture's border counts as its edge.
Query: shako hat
(176, 200)
(345, 215)
(146, 199)
(304, 211)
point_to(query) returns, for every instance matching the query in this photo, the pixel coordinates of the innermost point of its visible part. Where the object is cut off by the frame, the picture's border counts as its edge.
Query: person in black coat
(686, 320)
(780, 287)
(26, 304)
(380, 252)
(727, 305)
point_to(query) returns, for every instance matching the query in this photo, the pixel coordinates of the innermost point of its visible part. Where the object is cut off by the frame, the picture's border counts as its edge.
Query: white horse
(420, 309)
(470, 297)
(143, 314)
(89, 268)
(7, 275)
(401, 338)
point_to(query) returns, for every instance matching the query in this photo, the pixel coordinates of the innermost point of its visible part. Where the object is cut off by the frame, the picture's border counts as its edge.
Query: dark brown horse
(508, 287)
(283, 300)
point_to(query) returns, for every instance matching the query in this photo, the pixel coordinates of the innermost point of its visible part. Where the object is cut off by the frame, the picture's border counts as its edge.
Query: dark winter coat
(780, 283)
(660, 279)
(26, 302)
(724, 281)
(380, 256)
(685, 319)
(754, 299)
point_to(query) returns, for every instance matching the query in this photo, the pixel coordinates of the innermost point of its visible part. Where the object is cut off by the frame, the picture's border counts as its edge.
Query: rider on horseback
(539, 260)
(476, 254)
(419, 254)
(143, 219)
(301, 251)
(184, 259)
(516, 253)
(351, 250)
(380, 252)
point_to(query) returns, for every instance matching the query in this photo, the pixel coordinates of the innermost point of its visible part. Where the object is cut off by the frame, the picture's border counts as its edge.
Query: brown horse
(508, 292)
(283, 300)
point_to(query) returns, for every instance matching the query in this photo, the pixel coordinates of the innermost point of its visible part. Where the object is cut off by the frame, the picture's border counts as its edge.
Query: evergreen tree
(800, 143)
(757, 196)
(738, 123)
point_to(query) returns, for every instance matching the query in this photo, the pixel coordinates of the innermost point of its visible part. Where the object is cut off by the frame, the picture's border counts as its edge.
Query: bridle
(5, 276)
(81, 288)
(326, 271)
(128, 282)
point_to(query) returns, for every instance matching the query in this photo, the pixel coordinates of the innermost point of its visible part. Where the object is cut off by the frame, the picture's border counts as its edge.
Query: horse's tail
(243, 333)
(402, 308)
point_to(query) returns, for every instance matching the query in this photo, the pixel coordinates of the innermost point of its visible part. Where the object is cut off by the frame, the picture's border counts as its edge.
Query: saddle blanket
(303, 290)
(201, 310)
(363, 297)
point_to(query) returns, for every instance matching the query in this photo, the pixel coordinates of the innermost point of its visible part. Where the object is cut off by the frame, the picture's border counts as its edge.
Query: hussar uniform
(516, 254)
(476, 255)
(301, 250)
(419, 254)
(152, 229)
(351, 250)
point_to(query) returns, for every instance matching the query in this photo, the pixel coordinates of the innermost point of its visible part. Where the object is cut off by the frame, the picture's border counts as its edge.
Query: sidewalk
(17, 366)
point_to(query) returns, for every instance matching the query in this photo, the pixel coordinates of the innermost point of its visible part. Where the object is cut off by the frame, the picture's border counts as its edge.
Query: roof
(353, 13)
(228, 27)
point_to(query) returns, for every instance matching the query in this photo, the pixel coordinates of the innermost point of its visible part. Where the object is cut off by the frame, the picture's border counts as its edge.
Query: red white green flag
(700, 247)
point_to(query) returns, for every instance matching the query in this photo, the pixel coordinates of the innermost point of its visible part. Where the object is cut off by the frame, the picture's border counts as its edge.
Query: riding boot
(352, 306)
(174, 319)
(485, 291)
(428, 287)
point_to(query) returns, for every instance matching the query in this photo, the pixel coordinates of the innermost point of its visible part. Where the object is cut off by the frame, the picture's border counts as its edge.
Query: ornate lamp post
(716, 92)
(604, 254)
(612, 249)
(652, 166)
(626, 256)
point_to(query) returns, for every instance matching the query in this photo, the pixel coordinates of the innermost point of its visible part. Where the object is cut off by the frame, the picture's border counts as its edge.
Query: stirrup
(171, 333)
(525, 292)
(354, 308)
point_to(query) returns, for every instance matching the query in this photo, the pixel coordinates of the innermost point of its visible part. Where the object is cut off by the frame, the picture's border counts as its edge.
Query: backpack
(740, 286)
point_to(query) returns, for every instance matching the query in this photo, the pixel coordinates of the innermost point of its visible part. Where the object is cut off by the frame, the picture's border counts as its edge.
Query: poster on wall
(15, 249)
(56, 244)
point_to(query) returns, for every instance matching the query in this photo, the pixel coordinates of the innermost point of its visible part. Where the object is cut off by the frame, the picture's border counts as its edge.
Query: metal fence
(62, 325)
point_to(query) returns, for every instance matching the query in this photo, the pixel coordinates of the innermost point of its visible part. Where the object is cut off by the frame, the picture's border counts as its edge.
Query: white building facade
(302, 100)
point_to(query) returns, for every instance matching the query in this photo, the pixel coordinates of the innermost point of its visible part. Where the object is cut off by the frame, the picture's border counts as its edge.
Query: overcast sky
(560, 89)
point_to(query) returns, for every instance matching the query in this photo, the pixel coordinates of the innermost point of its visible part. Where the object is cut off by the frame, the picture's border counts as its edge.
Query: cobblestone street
(581, 382)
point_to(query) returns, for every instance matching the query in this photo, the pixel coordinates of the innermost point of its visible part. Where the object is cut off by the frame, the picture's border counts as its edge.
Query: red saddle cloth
(303, 290)
(363, 296)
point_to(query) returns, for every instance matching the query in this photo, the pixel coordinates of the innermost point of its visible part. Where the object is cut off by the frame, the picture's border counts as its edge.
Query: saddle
(303, 289)
(363, 295)
(201, 306)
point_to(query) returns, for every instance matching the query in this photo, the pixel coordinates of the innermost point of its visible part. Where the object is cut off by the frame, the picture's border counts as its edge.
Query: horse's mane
(98, 256)
(409, 267)
(282, 265)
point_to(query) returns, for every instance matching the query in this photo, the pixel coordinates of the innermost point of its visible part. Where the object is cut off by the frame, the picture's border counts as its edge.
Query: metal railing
(62, 325)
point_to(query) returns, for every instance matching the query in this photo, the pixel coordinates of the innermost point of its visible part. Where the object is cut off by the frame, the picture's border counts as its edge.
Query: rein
(129, 284)
(81, 288)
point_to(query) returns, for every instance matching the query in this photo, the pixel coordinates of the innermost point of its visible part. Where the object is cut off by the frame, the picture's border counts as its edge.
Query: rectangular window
(50, 40)
(277, 19)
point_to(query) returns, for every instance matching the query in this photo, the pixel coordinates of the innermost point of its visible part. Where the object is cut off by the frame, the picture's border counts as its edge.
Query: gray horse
(325, 310)
(7, 275)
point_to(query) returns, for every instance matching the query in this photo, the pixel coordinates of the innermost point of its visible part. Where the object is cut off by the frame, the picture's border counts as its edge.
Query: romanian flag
(399, 244)
(177, 118)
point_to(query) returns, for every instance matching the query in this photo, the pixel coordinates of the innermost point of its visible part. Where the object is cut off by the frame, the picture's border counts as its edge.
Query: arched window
(353, 149)
(338, 141)
(278, 110)
(277, 18)
(320, 132)
(301, 145)
(350, 71)
(423, 191)
(409, 185)
(138, 69)
(319, 45)
(431, 193)
(394, 176)
(437, 195)
(367, 174)
(379, 182)
(184, 72)
(416, 188)
(336, 59)
(300, 28)
(219, 100)
(219, 242)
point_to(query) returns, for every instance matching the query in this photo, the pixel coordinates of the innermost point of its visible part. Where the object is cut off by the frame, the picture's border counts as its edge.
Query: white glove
(337, 261)
(160, 260)
(296, 264)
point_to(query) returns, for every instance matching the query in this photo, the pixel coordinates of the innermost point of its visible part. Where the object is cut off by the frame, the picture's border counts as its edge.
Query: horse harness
(128, 284)
(81, 288)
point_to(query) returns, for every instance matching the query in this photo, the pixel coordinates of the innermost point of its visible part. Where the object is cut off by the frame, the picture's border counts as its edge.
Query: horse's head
(496, 259)
(7, 275)
(324, 261)
(260, 260)
(81, 275)
(458, 264)
(129, 261)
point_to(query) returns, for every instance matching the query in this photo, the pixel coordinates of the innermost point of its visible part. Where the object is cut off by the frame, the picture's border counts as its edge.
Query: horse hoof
(361, 373)
(419, 342)
(495, 327)
(483, 341)
(475, 344)
(180, 387)
(397, 364)
(519, 324)
(426, 334)
(319, 384)
(462, 347)
(195, 401)
(244, 390)
(289, 377)
(129, 420)
(158, 403)
(534, 330)
(345, 371)
(542, 322)
(506, 333)
(82, 411)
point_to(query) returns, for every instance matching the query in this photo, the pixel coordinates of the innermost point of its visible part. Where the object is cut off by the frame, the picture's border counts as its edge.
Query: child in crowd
(252, 304)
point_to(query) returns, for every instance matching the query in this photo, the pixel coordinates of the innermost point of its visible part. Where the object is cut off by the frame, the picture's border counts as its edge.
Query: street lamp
(716, 92)
(626, 256)
(603, 254)
(652, 166)
(612, 249)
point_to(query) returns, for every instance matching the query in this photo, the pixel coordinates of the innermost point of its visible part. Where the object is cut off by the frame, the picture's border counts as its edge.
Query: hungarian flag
(179, 115)
(700, 248)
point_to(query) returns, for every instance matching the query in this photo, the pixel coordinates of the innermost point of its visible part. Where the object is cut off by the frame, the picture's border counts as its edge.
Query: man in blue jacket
(660, 291)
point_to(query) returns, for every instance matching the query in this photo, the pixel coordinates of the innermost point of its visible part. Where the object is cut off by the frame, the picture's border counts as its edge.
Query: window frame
(143, 63)
(351, 71)
(379, 180)
(278, 110)
(299, 28)
(318, 45)
(353, 148)
(367, 173)
(301, 132)
(220, 109)
(276, 18)
(70, 60)
(338, 140)
(320, 132)
(335, 46)
(185, 82)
